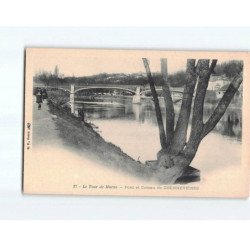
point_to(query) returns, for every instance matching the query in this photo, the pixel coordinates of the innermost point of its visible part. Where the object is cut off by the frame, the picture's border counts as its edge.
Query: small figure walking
(81, 114)
(39, 99)
(44, 94)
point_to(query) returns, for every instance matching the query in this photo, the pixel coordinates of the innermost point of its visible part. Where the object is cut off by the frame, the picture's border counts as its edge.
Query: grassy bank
(82, 136)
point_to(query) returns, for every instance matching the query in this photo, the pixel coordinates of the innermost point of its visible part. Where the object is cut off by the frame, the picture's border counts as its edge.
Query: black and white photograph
(134, 122)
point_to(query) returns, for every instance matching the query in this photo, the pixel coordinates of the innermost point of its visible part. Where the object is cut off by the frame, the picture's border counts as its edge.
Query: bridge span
(133, 91)
(137, 92)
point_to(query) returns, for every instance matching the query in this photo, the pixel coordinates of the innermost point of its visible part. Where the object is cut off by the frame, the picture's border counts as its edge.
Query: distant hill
(222, 72)
(140, 79)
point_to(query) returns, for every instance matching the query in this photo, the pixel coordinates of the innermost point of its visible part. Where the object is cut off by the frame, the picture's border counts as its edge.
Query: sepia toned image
(136, 122)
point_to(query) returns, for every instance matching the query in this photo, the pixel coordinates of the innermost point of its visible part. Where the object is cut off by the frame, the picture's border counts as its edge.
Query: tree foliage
(49, 79)
(178, 79)
(229, 69)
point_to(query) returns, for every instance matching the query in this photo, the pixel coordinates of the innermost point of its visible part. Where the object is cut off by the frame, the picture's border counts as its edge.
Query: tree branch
(168, 102)
(157, 105)
(222, 105)
(180, 134)
(212, 66)
(204, 73)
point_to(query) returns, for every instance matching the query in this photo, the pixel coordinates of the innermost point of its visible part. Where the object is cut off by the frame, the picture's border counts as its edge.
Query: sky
(80, 62)
(86, 65)
(94, 65)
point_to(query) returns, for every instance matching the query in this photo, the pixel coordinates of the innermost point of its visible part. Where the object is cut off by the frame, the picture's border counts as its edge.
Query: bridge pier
(137, 96)
(72, 98)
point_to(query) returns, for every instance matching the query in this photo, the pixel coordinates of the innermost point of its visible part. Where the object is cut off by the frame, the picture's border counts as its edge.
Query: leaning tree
(178, 147)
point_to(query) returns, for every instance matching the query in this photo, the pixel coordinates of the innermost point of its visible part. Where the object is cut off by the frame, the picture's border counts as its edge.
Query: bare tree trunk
(157, 105)
(180, 134)
(176, 155)
(168, 103)
(204, 73)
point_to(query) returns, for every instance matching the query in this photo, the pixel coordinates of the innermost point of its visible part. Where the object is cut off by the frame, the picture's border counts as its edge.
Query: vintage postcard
(136, 123)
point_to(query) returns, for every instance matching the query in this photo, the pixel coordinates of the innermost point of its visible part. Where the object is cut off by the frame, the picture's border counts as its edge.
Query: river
(133, 127)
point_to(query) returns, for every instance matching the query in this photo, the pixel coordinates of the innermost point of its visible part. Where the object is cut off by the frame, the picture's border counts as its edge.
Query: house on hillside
(38, 84)
(217, 82)
(238, 95)
(220, 92)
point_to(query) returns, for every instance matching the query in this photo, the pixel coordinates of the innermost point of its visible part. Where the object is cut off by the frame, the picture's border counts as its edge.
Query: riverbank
(83, 137)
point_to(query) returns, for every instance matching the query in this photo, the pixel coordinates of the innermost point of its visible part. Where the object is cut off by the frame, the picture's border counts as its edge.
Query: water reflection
(121, 108)
(134, 129)
(230, 124)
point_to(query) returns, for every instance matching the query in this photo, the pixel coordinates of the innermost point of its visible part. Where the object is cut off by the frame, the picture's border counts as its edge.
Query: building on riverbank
(221, 91)
(217, 82)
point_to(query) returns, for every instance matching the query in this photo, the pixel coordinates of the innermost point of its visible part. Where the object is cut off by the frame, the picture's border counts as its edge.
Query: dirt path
(44, 128)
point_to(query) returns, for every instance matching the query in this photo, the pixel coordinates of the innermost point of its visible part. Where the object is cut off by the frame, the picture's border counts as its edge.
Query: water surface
(133, 127)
